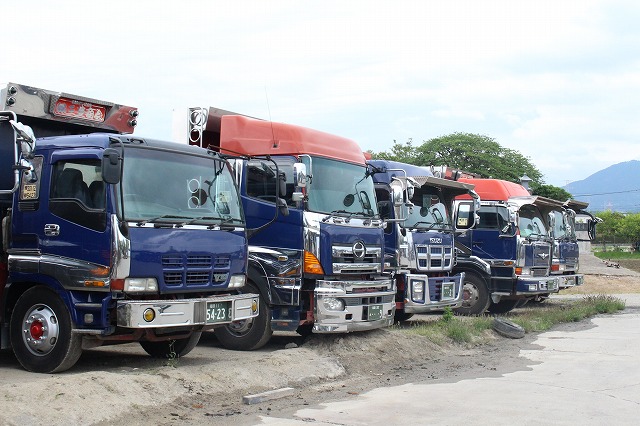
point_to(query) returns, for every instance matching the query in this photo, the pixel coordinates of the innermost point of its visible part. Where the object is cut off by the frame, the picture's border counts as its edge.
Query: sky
(558, 81)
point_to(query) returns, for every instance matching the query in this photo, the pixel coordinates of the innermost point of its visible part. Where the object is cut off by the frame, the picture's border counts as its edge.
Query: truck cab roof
(238, 134)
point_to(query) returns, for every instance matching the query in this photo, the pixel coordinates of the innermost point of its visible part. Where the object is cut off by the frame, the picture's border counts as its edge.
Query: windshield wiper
(343, 213)
(222, 221)
(430, 225)
(158, 219)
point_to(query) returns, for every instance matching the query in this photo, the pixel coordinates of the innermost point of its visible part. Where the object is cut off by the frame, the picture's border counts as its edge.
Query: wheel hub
(470, 294)
(240, 327)
(40, 330)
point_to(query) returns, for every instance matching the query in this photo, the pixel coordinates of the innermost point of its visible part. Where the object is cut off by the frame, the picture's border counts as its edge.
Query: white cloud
(557, 81)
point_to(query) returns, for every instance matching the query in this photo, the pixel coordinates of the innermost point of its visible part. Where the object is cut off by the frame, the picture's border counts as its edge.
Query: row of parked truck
(246, 227)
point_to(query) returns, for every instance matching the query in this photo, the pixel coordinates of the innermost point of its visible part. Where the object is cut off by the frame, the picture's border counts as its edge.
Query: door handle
(51, 230)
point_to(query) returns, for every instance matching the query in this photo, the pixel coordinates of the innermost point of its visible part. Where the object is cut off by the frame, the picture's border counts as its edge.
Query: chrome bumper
(533, 286)
(185, 312)
(367, 305)
(568, 281)
(413, 304)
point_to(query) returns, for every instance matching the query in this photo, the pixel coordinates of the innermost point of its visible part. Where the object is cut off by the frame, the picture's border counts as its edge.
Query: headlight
(237, 281)
(140, 285)
(417, 291)
(333, 304)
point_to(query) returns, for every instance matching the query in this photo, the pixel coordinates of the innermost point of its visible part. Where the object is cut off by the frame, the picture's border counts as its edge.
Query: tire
(503, 306)
(247, 335)
(41, 332)
(508, 328)
(476, 298)
(401, 315)
(175, 348)
(305, 330)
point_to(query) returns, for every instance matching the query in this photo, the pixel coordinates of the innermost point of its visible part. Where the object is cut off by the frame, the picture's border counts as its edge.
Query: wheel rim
(40, 330)
(470, 295)
(240, 328)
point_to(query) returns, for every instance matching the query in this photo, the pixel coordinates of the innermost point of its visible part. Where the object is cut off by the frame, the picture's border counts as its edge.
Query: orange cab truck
(507, 256)
(319, 265)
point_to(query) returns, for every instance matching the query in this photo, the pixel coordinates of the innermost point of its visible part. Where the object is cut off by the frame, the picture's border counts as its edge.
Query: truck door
(77, 228)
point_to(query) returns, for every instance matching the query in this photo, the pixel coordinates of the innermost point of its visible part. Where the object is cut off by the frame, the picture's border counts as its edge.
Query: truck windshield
(169, 187)
(340, 188)
(530, 222)
(429, 211)
(564, 228)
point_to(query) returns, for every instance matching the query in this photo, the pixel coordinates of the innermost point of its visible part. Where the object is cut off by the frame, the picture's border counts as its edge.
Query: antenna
(273, 136)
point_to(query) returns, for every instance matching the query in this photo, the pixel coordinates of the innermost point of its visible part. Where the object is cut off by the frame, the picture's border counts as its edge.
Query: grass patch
(616, 255)
(473, 330)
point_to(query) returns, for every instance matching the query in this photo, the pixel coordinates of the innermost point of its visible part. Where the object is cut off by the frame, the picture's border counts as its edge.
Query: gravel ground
(118, 385)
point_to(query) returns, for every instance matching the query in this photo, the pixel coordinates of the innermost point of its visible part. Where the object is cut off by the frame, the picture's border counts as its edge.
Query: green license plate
(218, 312)
(448, 291)
(375, 312)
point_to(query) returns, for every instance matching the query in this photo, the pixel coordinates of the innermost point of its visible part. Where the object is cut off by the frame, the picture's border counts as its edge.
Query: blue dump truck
(109, 237)
(318, 265)
(507, 256)
(566, 248)
(420, 233)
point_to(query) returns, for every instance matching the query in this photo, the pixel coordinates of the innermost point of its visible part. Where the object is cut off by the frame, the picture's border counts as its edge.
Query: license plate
(375, 312)
(218, 312)
(448, 291)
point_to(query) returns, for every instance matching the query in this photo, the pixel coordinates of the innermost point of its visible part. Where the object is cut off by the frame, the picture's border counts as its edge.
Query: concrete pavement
(586, 377)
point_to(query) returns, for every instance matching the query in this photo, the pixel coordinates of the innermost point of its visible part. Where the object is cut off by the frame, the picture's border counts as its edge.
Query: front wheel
(401, 315)
(249, 334)
(41, 332)
(175, 348)
(475, 296)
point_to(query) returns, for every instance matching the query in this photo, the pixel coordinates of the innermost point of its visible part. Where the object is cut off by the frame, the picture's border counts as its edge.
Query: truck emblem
(543, 255)
(435, 240)
(359, 250)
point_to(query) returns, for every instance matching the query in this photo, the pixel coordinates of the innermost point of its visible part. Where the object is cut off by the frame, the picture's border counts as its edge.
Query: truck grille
(541, 255)
(434, 257)
(194, 270)
(345, 261)
(357, 301)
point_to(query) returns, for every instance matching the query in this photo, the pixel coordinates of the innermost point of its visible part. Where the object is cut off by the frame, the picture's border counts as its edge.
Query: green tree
(550, 191)
(610, 230)
(403, 152)
(477, 154)
(630, 228)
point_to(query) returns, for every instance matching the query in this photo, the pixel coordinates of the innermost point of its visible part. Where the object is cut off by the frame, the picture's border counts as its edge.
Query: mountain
(616, 188)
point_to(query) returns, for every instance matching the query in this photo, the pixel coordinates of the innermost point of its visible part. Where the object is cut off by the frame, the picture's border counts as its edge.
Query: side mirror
(26, 137)
(111, 166)
(465, 216)
(552, 223)
(282, 185)
(397, 193)
(282, 205)
(591, 229)
(411, 187)
(300, 175)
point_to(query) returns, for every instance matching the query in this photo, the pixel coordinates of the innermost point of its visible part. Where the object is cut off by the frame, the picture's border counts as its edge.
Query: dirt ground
(121, 385)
